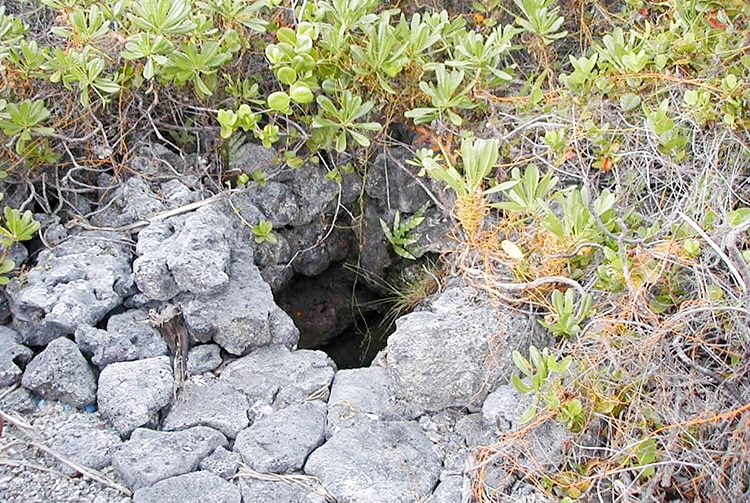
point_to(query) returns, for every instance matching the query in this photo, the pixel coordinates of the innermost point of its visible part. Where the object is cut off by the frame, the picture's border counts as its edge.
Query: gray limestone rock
(459, 448)
(280, 442)
(157, 161)
(392, 180)
(222, 462)
(376, 257)
(243, 316)
(60, 372)
(129, 336)
(264, 491)
(279, 377)
(209, 403)
(434, 234)
(132, 201)
(203, 358)
(313, 256)
(242, 204)
(377, 462)
(12, 354)
(184, 254)
(351, 188)
(131, 394)
(316, 194)
(178, 194)
(542, 447)
(196, 487)
(278, 277)
(527, 493)
(269, 254)
(448, 356)
(150, 456)
(449, 490)
(363, 394)
(456, 438)
(75, 284)
(94, 342)
(198, 256)
(5, 314)
(251, 157)
(475, 431)
(17, 252)
(295, 197)
(53, 231)
(503, 407)
(86, 439)
(150, 268)
(277, 201)
(394, 186)
(19, 400)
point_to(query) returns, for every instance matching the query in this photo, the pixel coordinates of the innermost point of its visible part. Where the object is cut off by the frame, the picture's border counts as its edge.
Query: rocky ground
(143, 354)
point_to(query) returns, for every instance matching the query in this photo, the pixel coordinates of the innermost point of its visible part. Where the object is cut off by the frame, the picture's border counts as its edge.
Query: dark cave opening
(349, 313)
(338, 313)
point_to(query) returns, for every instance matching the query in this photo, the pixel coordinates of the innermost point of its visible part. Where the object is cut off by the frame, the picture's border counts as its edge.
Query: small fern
(399, 234)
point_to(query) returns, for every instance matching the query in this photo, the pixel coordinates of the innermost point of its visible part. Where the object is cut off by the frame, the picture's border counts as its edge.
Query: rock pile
(257, 419)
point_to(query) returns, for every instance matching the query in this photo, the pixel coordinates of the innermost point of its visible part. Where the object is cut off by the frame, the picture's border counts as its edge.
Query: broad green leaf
(369, 126)
(421, 115)
(690, 97)
(286, 75)
(227, 121)
(7, 266)
(327, 105)
(321, 122)
(502, 187)
(341, 142)
(660, 304)
(279, 101)
(521, 362)
(692, 247)
(110, 87)
(455, 119)
(536, 358)
(360, 138)
(564, 365)
(201, 87)
(286, 35)
(274, 54)
(302, 94)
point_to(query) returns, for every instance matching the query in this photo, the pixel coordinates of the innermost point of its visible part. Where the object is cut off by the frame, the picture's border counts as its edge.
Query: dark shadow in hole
(340, 312)
(360, 344)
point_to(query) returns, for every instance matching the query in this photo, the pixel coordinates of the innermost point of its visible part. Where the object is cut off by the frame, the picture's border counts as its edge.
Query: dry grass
(677, 380)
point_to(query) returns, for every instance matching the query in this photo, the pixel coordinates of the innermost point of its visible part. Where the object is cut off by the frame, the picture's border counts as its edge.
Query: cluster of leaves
(343, 49)
(619, 253)
(331, 55)
(544, 375)
(340, 48)
(663, 80)
(15, 226)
